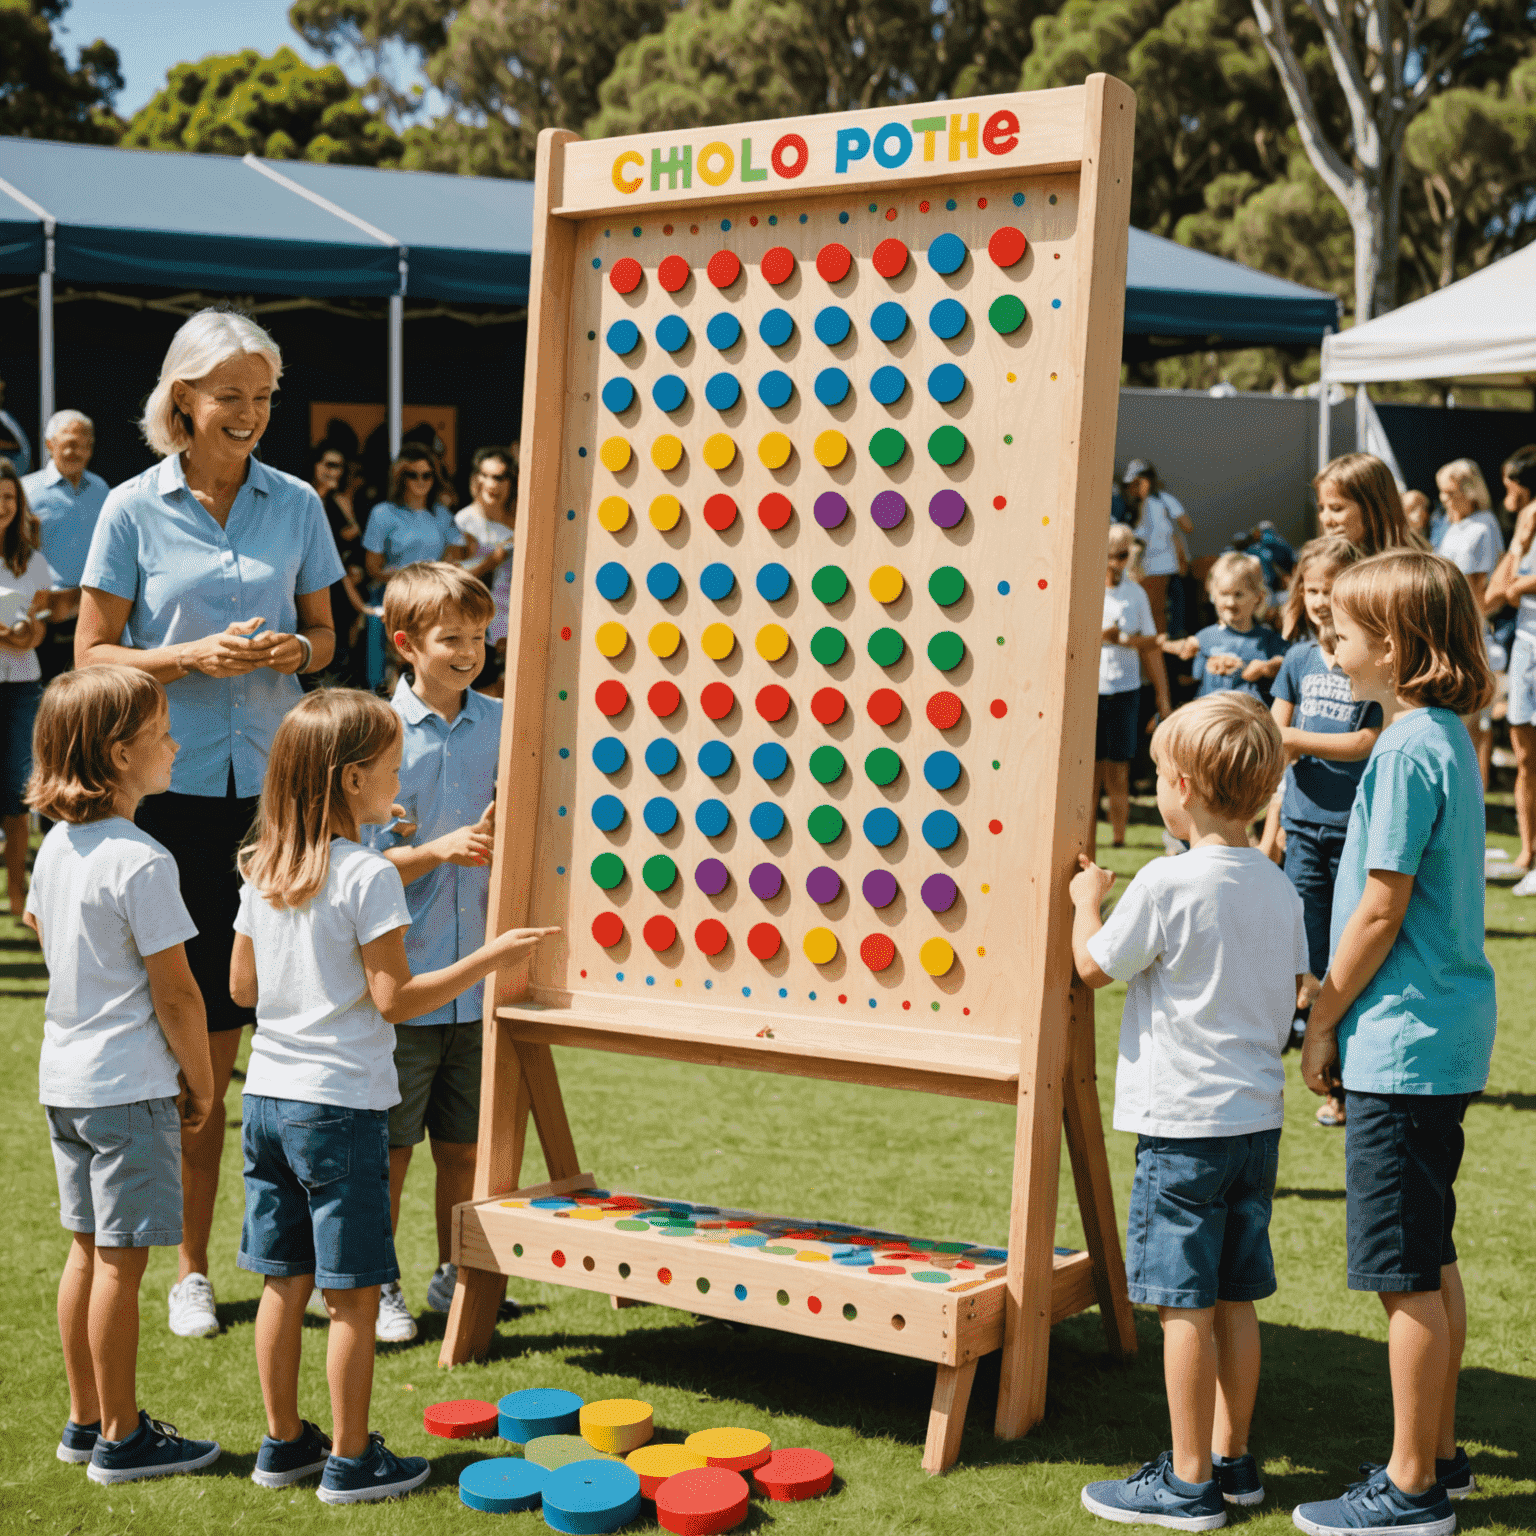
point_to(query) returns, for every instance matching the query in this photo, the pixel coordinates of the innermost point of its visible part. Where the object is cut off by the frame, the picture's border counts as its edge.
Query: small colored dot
(890, 213)
(753, 221)
(650, 981)
(995, 763)
(591, 336)
(1004, 588)
(999, 502)
(934, 1006)
(746, 991)
(636, 231)
(570, 516)
(618, 975)
(773, 218)
(597, 261)
(813, 997)
(1053, 197)
(922, 207)
(1053, 377)
(708, 985)
(581, 453)
(842, 218)
(560, 870)
(725, 223)
(693, 229)
(981, 949)
(999, 708)
(1018, 199)
(564, 695)
(981, 202)
(1044, 522)
(871, 1002)
(986, 890)
(904, 1005)
(967, 1013)
(1013, 378)
(565, 751)
(804, 217)
(1008, 437)
(874, 207)
(1055, 303)
(1043, 585)
(570, 576)
(565, 634)
(679, 983)
(842, 997)
(562, 810)
(950, 205)
(783, 991)
(666, 229)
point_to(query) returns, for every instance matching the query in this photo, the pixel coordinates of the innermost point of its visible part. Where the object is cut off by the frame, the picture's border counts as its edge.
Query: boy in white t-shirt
(1212, 946)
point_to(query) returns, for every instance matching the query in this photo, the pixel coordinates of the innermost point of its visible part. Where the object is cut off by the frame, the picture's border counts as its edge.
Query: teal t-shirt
(1425, 1021)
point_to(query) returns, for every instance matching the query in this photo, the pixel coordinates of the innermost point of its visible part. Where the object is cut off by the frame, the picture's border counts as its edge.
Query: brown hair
(22, 534)
(82, 716)
(1229, 748)
(1332, 550)
(414, 453)
(1363, 479)
(1423, 605)
(419, 594)
(288, 856)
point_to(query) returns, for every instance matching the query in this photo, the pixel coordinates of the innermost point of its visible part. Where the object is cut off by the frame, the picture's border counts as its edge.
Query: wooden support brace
(946, 1419)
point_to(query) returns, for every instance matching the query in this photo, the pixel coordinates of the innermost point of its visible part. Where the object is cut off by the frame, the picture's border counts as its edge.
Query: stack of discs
(501, 1485)
(701, 1502)
(466, 1418)
(656, 1463)
(794, 1474)
(734, 1450)
(536, 1411)
(592, 1496)
(553, 1451)
(617, 1425)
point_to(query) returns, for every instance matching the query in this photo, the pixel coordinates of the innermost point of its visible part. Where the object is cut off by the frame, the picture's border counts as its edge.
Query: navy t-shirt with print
(1320, 793)
(1260, 643)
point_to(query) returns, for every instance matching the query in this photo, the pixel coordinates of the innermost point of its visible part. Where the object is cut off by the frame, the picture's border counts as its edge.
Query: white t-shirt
(1126, 607)
(1471, 545)
(105, 895)
(319, 1038)
(1525, 622)
(488, 535)
(1157, 529)
(1210, 944)
(16, 594)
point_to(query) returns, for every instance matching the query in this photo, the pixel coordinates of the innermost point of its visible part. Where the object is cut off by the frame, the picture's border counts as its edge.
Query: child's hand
(1091, 884)
(468, 847)
(1262, 671)
(1222, 663)
(1186, 649)
(1306, 993)
(1111, 635)
(515, 940)
(403, 827)
(1320, 1061)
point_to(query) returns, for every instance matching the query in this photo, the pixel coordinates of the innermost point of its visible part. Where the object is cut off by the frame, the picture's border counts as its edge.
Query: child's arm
(1263, 671)
(1186, 649)
(399, 996)
(470, 847)
(1345, 747)
(184, 1020)
(1281, 710)
(242, 972)
(1090, 885)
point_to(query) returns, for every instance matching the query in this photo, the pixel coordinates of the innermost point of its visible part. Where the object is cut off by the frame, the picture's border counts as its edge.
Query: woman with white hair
(211, 572)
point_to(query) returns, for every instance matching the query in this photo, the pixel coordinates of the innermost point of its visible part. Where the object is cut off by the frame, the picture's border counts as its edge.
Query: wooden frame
(1025, 1032)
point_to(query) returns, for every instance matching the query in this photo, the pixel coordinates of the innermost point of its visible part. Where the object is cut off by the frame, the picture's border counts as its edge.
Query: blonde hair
(1121, 537)
(419, 594)
(82, 716)
(203, 342)
(1468, 479)
(288, 857)
(1363, 479)
(1244, 569)
(1333, 551)
(1423, 605)
(1229, 748)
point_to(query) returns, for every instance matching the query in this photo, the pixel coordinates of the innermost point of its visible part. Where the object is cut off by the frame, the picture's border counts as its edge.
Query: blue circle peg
(715, 758)
(947, 318)
(723, 330)
(881, 826)
(661, 756)
(940, 829)
(662, 580)
(623, 337)
(942, 769)
(722, 391)
(671, 333)
(767, 820)
(607, 813)
(669, 392)
(832, 324)
(947, 254)
(609, 754)
(831, 386)
(775, 388)
(659, 815)
(712, 818)
(776, 327)
(945, 383)
(888, 385)
(717, 581)
(612, 581)
(618, 395)
(770, 760)
(772, 581)
(888, 321)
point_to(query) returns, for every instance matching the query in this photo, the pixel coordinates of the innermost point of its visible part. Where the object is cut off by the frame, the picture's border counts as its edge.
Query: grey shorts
(439, 1070)
(120, 1172)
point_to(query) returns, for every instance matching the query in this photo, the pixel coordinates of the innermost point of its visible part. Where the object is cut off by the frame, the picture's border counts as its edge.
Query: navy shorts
(1312, 857)
(316, 1193)
(1401, 1155)
(1199, 1223)
(1114, 738)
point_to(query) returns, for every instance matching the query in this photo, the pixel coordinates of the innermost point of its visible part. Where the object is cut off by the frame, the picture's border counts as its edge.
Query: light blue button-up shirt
(447, 778)
(403, 536)
(156, 545)
(68, 517)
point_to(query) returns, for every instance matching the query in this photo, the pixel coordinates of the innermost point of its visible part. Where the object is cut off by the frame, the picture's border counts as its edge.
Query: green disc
(826, 824)
(633, 1226)
(828, 645)
(885, 647)
(1006, 314)
(946, 444)
(946, 586)
(829, 583)
(887, 446)
(945, 650)
(660, 871)
(554, 1451)
(607, 870)
(827, 764)
(882, 765)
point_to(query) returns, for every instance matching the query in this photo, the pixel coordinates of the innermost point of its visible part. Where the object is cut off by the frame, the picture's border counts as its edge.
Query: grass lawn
(906, 1162)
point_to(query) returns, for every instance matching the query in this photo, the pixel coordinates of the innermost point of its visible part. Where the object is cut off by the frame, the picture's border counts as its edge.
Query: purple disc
(879, 887)
(830, 509)
(939, 892)
(765, 881)
(823, 885)
(947, 508)
(888, 509)
(711, 877)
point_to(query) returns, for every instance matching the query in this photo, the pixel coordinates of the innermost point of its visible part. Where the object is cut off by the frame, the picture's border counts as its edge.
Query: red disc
(778, 264)
(773, 702)
(828, 705)
(944, 710)
(720, 512)
(890, 258)
(626, 274)
(664, 698)
(999, 708)
(660, 932)
(885, 1269)
(724, 268)
(774, 510)
(764, 941)
(717, 701)
(711, 936)
(885, 706)
(877, 951)
(1007, 245)
(466, 1418)
(672, 274)
(607, 929)
(612, 696)
(833, 261)
(702, 1500)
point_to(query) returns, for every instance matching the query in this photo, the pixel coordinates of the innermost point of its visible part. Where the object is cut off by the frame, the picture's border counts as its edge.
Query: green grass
(909, 1162)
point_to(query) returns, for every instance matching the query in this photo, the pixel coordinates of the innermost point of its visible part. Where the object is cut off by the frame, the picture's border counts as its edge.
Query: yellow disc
(718, 641)
(614, 453)
(617, 1425)
(774, 450)
(936, 956)
(613, 513)
(719, 450)
(664, 638)
(772, 641)
(665, 511)
(887, 584)
(662, 1461)
(807, 1256)
(831, 448)
(583, 1215)
(516, 1205)
(611, 638)
(730, 1447)
(667, 451)
(820, 946)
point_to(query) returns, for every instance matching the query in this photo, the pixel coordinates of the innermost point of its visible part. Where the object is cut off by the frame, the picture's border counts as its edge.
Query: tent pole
(396, 372)
(45, 384)
(1324, 414)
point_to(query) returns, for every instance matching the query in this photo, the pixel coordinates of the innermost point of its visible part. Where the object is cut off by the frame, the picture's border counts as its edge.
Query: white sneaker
(395, 1324)
(191, 1306)
(1525, 886)
(440, 1288)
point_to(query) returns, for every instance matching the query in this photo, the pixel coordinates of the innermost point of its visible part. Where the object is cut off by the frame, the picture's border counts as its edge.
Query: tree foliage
(41, 97)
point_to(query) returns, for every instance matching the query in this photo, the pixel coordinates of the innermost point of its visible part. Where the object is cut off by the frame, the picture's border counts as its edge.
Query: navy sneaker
(152, 1450)
(1154, 1496)
(1238, 1479)
(78, 1441)
(1378, 1504)
(280, 1462)
(1455, 1474)
(377, 1474)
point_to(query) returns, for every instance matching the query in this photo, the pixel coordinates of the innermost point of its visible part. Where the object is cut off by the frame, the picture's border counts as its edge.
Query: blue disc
(623, 337)
(942, 769)
(661, 756)
(881, 826)
(502, 1484)
(609, 754)
(723, 330)
(945, 383)
(776, 327)
(618, 395)
(671, 333)
(717, 581)
(534, 1411)
(947, 319)
(722, 391)
(775, 388)
(660, 815)
(832, 324)
(940, 829)
(586, 1497)
(770, 760)
(772, 581)
(715, 758)
(669, 392)
(612, 580)
(947, 254)
(856, 1258)
(607, 813)
(663, 580)
(831, 386)
(712, 817)
(888, 321)
(888, 385)
(767, 820)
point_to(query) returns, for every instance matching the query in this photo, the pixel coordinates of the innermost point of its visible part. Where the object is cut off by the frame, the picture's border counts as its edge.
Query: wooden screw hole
(898, 1322)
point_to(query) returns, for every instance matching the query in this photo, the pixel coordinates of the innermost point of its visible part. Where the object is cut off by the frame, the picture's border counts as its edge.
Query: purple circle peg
(939, 893)
(765, 881)
(830, 509)
(879, 887)
(888, 509)
(947, 508)
(823, 885)
(711, 877)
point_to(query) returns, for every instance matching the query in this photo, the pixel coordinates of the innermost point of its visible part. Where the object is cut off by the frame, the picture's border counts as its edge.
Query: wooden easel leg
(946, 1419)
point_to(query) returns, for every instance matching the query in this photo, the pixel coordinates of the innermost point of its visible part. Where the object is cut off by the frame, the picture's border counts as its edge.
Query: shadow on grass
(1308, 1194)
(1507, 1100)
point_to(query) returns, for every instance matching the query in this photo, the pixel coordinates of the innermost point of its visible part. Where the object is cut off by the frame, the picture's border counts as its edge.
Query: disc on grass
(501, 1485)
(591, 1496)
(654, 1464)
(794, 1474)
(465, 1418)
(551, 1451)
(617, 1424)
(739, 1450)
(702, 1501)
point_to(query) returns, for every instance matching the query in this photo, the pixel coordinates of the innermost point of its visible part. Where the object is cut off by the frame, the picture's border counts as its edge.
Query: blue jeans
(1312, 863)
(18, 709)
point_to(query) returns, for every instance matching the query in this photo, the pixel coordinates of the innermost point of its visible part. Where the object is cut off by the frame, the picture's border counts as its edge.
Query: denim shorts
(438, 1066)
(1522, 681)
(1199, 1223)
(18, 709)
(1114, 735)
(119, 1171)
(316, 1193)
